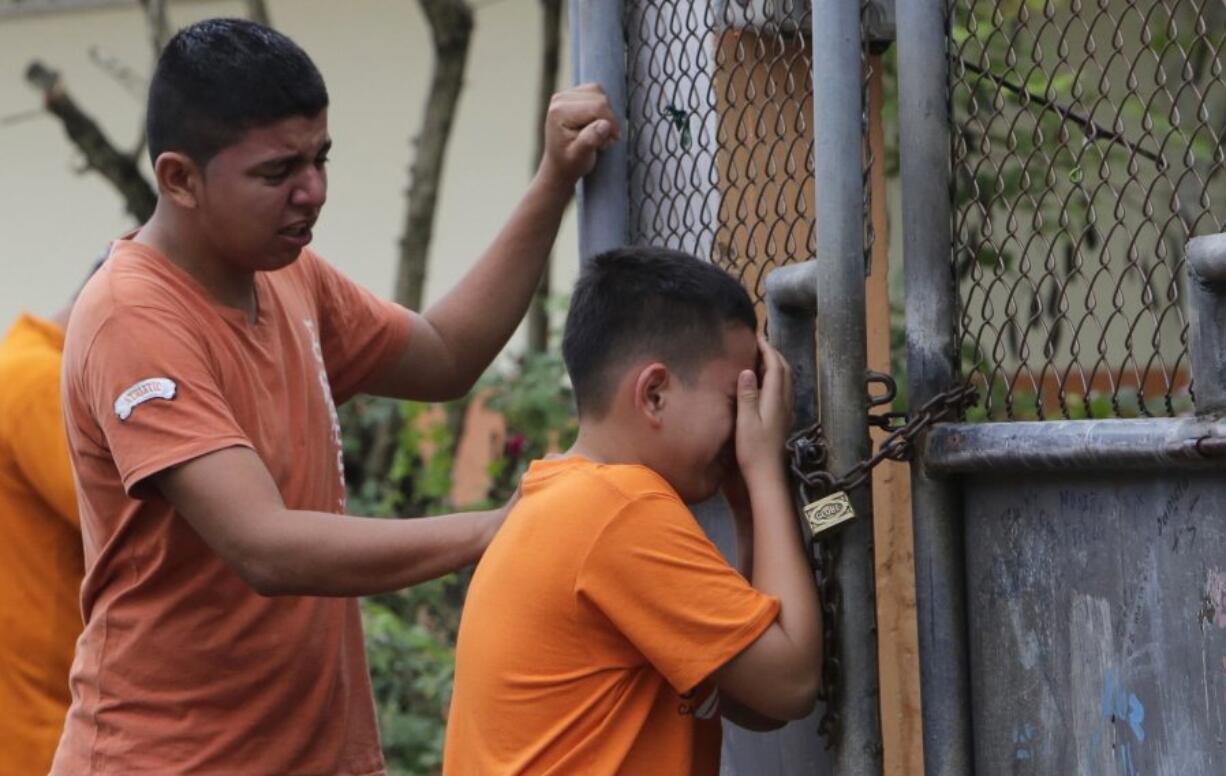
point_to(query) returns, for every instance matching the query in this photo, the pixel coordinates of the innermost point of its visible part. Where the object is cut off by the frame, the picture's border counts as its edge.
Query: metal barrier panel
(1095, 555)
(1094, 619)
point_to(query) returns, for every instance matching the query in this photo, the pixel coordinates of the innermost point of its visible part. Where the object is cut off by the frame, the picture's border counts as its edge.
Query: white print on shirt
(704, 709)
(708, 708)
(153, 388)
(326, 388)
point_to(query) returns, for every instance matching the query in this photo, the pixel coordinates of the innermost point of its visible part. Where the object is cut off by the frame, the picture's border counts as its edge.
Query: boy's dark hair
(220, 77)
(632, 302)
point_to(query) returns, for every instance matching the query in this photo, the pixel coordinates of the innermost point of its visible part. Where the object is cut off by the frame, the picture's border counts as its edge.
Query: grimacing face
(695, 451)
(260, 197)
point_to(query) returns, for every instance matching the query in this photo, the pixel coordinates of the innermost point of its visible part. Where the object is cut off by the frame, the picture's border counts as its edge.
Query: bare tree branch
(99, 152)
(551, 29)
(21, 116)
(451, 24)
(257, 11)
(134, 83)
(1092, 129)
(157, 24)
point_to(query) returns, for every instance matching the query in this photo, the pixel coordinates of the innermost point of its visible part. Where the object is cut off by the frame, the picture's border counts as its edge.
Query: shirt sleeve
(359, 332)
(36, 429)
(655, 575)
(151, 386)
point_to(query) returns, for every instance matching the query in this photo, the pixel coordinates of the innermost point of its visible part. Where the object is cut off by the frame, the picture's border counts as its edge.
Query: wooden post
(897, 640)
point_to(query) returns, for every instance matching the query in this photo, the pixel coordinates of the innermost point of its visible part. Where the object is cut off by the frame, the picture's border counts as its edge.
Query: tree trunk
(538, 315)
(100, 153)
(451, 24)
(158, 25)
(257, 11)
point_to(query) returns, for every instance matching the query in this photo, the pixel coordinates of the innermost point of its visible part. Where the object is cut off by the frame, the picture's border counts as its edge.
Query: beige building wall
(375, 56)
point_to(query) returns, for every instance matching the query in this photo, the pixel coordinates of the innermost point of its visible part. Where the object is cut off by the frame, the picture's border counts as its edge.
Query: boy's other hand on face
(579, 123)
(763, 415)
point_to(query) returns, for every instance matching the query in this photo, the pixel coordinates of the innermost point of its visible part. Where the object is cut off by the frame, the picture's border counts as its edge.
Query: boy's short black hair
(220, 77)
(632, 302)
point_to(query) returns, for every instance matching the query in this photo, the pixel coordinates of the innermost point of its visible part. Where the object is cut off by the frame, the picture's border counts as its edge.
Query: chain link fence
(720, 103)
(1086, 150)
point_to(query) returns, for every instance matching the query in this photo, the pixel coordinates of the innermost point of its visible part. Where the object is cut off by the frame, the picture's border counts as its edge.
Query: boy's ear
(178, 178)
(650, 391)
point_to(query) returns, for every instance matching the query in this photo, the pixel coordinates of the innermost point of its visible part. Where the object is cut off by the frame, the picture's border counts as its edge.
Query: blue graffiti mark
(1121, 705)
(1136, 715)
(1022, 736)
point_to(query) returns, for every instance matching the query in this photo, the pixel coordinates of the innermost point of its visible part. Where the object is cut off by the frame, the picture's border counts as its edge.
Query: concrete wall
(375, 56)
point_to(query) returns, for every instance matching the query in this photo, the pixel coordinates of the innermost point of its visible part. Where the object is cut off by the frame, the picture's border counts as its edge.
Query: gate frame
(932, 367)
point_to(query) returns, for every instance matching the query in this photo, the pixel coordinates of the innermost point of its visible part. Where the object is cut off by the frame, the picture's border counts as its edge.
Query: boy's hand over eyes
(763, 415)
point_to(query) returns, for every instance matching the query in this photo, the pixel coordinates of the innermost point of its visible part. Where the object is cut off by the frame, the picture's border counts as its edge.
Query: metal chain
(807, 447)
(808, 455)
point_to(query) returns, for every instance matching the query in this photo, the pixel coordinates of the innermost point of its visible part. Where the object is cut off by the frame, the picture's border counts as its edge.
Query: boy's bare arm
(744, 717)
(778, 675)
(230, 499)
(458, 336)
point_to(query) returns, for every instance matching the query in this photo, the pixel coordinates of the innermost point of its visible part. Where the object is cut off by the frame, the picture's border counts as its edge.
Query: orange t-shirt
(40, 548)
(592, 624)
(183, 668)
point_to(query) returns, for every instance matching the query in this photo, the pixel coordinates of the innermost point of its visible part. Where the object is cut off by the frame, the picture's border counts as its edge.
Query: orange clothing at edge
(40, 555)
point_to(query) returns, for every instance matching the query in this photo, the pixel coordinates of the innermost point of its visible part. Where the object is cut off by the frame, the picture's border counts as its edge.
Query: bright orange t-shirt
(591, 626)
(183, 668)
(40, 548)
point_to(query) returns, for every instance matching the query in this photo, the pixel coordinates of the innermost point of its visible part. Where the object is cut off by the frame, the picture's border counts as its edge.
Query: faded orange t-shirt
(40, 548)
(591, 626)
(183, 668)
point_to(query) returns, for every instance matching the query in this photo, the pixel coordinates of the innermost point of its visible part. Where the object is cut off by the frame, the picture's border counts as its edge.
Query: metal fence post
(931, 368)
(840, 293)
(599, 52)
(1207, 321)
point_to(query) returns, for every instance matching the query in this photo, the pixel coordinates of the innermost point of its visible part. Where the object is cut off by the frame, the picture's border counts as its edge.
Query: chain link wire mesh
(1086, 151)
(720, 131)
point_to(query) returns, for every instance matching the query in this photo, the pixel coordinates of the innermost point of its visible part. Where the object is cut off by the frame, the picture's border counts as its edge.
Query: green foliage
(411, 671)
(539, 410)
(410, 634)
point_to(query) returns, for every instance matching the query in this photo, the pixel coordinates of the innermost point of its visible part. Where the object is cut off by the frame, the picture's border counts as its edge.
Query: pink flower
(515, 445)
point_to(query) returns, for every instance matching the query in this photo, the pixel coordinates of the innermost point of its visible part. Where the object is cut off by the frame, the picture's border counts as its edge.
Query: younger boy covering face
(603, 632)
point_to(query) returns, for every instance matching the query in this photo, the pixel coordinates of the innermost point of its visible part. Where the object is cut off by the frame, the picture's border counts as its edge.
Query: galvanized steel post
(932, 367)
(843, 404)
(1207, 321)
(790, 308)
(599, 53)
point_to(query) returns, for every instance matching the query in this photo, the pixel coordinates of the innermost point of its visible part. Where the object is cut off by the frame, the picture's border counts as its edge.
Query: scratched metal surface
(1097, 619)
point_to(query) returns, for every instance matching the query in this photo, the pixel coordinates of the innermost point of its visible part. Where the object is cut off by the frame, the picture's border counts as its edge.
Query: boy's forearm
(331, 555)
(780, 564)
(502, 283)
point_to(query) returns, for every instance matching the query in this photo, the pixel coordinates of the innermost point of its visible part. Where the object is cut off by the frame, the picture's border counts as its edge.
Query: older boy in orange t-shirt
(603, 632)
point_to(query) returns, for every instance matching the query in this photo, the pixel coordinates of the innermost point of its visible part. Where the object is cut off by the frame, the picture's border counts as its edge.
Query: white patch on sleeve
(153, 388)
(709, 707)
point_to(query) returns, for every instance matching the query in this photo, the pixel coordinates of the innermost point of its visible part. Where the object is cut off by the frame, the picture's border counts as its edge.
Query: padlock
(826, 513)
